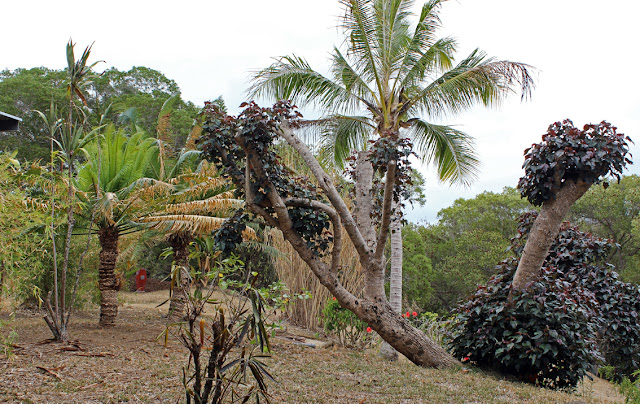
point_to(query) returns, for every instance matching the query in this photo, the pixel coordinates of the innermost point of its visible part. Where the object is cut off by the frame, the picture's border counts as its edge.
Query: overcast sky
(584, 50)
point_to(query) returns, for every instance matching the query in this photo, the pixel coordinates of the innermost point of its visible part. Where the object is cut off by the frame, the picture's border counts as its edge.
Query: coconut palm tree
(391, 76)
(112, 179)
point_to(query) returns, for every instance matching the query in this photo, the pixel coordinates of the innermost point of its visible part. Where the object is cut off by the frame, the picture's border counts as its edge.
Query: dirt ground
(128, 363)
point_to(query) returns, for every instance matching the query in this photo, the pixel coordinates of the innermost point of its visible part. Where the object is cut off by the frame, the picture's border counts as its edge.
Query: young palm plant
(391, 75)
(70, 138)
(198, 203)
(112, 178)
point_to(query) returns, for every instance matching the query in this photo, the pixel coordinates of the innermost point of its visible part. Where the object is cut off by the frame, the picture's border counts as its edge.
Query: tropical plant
(390, 75)
(312, 218)
(576, 314)
(113, 179)
(194, 203)
(197, 204)
(70, 138)
(235, 338)
(558, 171)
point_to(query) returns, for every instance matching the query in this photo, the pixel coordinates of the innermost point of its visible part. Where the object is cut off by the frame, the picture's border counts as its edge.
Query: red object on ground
(141, 280)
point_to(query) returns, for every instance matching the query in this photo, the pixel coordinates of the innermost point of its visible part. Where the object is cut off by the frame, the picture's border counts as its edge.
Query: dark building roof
(8, 122)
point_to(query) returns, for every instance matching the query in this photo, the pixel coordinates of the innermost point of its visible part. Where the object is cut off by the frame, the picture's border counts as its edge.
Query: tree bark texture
(373, 307)
(181, 288)
(395, 276)
(107, 282)
(544, 231)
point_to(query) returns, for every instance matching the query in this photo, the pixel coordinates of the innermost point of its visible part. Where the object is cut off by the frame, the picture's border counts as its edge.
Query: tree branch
(336, 251)
(327, 186)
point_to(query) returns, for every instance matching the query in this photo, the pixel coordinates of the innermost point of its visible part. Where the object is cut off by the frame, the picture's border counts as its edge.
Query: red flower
(407, 314)
(333, 298)
(414, 314)
(369, 329)
(465, 359)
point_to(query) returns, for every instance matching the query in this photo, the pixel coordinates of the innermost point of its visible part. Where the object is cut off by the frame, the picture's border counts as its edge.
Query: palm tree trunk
(395, 276)
(180, 243)
(108, 284)
(544, 231)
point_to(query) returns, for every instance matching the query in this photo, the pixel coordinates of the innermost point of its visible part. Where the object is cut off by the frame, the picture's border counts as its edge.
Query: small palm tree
(112, 179)
(198, 204)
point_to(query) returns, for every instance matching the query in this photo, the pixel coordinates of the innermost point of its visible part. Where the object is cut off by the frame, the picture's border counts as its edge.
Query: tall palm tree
(390, 76)
(112, 179)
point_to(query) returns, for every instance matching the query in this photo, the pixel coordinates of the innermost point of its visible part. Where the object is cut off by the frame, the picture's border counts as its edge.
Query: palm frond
(341, 136)
(438, 58)
(359, 23)
(449, 150)
(292, 78)
(353, 82)
(198, 224)
(474, 80)
(422, 40)
(217, 205)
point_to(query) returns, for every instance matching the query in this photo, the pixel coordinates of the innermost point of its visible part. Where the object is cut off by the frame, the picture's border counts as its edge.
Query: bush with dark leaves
(553, 333)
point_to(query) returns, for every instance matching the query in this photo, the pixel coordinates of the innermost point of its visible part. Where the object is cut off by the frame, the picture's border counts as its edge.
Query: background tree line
(22, 91)
(444, 262)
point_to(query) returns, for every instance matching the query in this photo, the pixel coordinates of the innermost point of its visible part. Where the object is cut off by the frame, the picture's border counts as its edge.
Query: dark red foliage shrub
(567, 153)
(563, 326)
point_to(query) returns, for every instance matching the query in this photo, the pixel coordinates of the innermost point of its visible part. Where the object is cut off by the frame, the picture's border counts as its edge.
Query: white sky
(584, 50)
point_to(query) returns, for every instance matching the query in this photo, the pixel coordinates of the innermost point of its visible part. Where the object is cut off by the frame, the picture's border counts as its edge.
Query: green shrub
(345, 326)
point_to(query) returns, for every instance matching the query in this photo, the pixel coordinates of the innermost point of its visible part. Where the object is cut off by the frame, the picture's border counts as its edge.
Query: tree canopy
(24, 90)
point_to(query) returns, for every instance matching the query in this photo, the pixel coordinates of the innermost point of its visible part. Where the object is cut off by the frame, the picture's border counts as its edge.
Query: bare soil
(129, 363)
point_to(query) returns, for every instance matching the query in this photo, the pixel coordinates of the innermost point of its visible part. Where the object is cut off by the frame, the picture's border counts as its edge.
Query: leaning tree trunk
(544, 231)
(181, 285)
(108, 284)
(395, 276)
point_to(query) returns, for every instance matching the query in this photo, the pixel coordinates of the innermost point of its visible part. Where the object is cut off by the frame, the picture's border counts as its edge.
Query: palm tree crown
(390, 73)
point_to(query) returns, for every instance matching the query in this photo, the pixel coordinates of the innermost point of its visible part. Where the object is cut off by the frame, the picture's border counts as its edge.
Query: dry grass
(295, 273)
(127, 364)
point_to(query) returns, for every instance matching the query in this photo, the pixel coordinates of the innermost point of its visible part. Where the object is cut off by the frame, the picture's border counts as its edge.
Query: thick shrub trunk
(544, 231)
(107, 282)
(181, 287)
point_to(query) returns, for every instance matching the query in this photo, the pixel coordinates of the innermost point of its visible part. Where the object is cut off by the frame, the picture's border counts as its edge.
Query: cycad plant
(197, 203)
(112, 179)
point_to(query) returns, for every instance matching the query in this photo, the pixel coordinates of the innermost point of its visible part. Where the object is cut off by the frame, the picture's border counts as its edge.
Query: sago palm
(112, 179)
(394, 78)
(197, 203)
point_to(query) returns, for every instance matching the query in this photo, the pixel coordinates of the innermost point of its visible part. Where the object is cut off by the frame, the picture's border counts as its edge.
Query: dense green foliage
(559, 328)
(24, 90)
(443, 263)
(570, 154)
